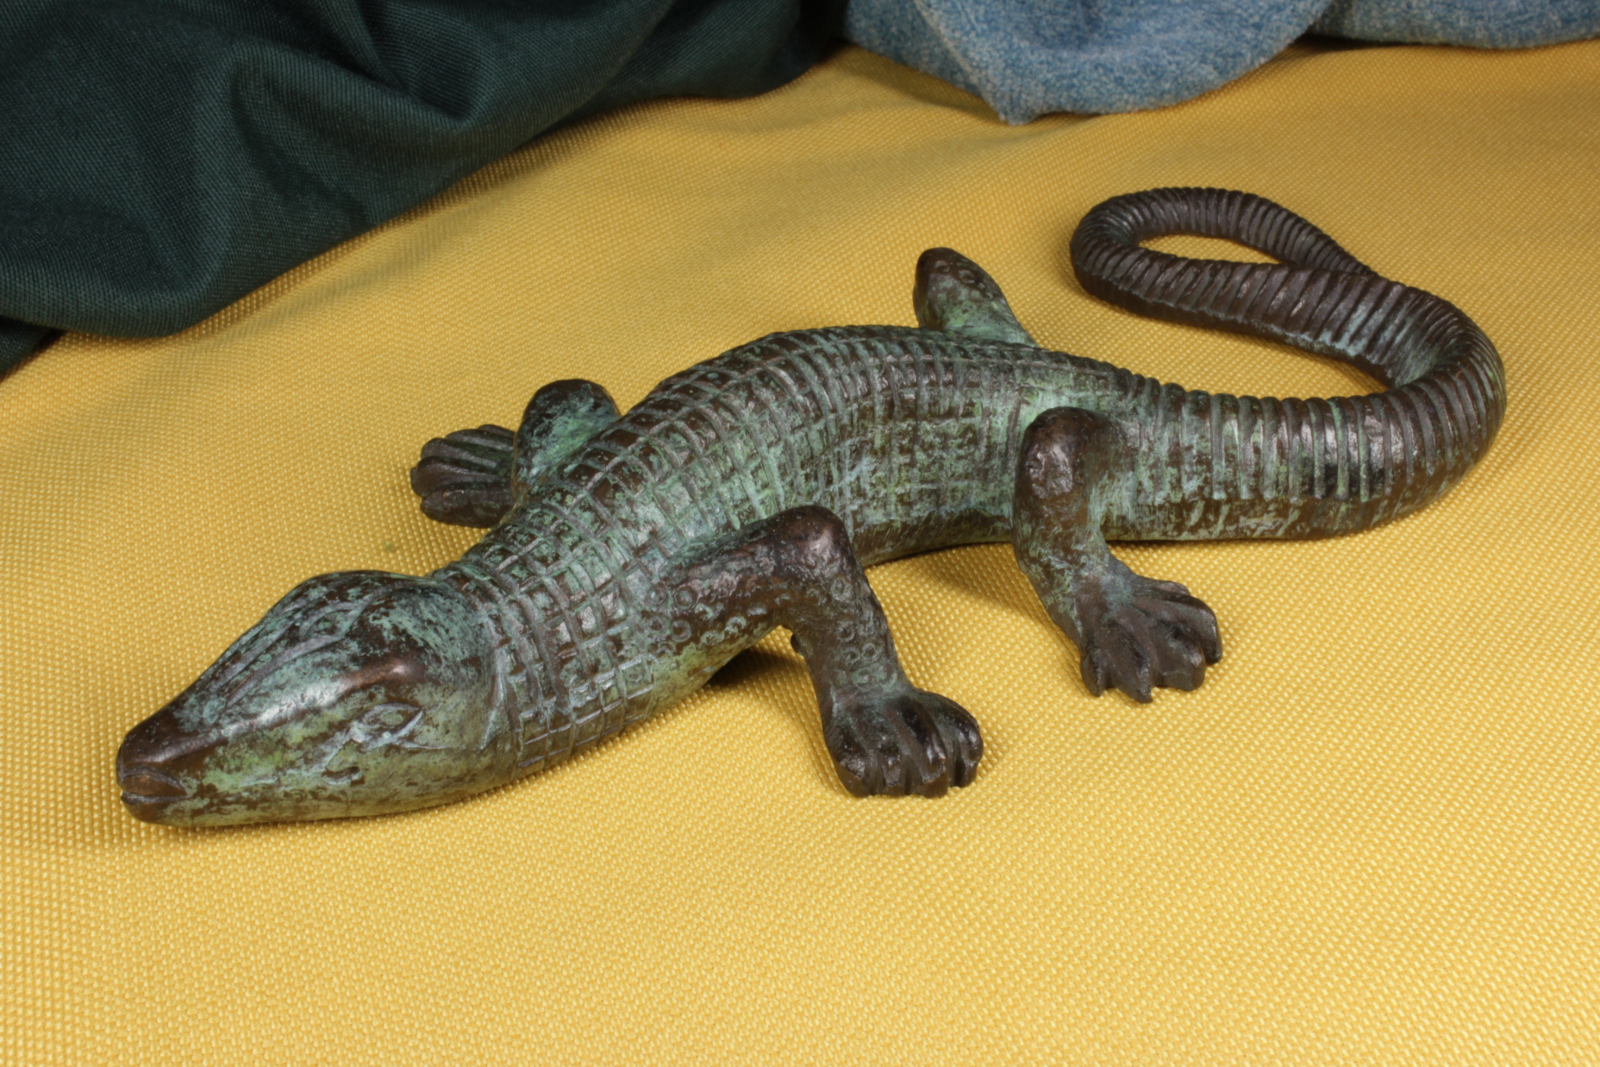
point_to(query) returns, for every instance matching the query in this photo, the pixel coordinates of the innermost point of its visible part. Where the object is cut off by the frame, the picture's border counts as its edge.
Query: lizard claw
(1155, 634)
(908, 741)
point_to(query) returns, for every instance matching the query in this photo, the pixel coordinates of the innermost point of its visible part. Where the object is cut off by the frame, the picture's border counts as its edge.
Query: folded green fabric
(161, 158)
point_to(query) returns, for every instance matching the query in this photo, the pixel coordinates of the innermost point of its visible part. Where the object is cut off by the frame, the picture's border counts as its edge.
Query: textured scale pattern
(909, 437)
(1226, 466)
(631, 556)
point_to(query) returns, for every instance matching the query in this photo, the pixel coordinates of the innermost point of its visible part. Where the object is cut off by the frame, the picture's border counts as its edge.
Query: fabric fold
(1085, 56)
(163, 160)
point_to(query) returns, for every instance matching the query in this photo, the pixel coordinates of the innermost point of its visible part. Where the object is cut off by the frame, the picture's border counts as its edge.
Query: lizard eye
(391, 715)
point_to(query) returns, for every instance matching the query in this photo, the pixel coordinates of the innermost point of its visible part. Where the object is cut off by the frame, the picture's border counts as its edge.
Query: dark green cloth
(161, 158)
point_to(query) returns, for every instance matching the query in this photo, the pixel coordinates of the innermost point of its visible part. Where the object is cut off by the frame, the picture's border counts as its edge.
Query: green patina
(631, 556)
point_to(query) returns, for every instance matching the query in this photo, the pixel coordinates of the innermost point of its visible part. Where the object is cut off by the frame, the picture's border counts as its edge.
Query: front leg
(797, 570)
(1133, 632)
(473, 477)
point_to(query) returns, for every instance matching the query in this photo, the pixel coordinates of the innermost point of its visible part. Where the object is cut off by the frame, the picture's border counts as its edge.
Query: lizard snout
(152, 765)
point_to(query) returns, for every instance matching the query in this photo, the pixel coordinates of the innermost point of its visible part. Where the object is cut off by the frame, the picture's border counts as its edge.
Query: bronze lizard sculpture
(633, 555)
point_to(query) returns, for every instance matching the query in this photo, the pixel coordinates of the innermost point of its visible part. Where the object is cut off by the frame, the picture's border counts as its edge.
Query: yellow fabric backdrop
(1370, 838)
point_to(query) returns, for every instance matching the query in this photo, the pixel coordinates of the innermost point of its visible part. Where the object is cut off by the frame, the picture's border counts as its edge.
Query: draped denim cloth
(1092, 56)
(161, 158)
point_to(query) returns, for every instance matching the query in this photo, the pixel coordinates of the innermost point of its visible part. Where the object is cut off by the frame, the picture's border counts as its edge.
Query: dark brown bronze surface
(633, 555)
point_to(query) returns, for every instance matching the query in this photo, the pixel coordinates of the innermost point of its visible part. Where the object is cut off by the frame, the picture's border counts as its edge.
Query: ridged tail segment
(1225, 466)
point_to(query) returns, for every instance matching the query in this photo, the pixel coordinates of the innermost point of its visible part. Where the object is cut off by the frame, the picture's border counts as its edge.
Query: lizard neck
(524, 693)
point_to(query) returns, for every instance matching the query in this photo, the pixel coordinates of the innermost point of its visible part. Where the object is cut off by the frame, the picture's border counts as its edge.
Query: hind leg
(1133, 632)
(797, 570)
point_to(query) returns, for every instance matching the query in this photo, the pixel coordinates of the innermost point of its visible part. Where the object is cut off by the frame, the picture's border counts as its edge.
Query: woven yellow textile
(1371, 837)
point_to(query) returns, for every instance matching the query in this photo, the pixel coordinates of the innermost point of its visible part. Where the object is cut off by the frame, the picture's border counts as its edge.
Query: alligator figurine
(633, 555)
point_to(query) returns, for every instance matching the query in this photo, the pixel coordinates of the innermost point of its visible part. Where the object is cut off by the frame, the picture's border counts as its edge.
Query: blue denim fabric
(1478, 23)
(1095, 56)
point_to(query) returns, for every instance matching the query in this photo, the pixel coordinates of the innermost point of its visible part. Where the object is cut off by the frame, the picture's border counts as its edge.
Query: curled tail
(1334, 464)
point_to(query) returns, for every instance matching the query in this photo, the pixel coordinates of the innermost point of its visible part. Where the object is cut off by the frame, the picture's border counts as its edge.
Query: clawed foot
(1149, 633)
(464, 478)
(909, 741)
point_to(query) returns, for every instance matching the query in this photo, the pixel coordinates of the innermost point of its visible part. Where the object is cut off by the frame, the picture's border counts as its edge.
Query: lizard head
(358, 693)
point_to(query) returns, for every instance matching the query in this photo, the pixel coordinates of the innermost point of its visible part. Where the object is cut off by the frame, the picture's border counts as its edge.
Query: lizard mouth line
(142, 801)
(146, 785)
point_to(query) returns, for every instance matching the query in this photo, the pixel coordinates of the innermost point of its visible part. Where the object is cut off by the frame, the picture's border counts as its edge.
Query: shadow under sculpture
(631, 556)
